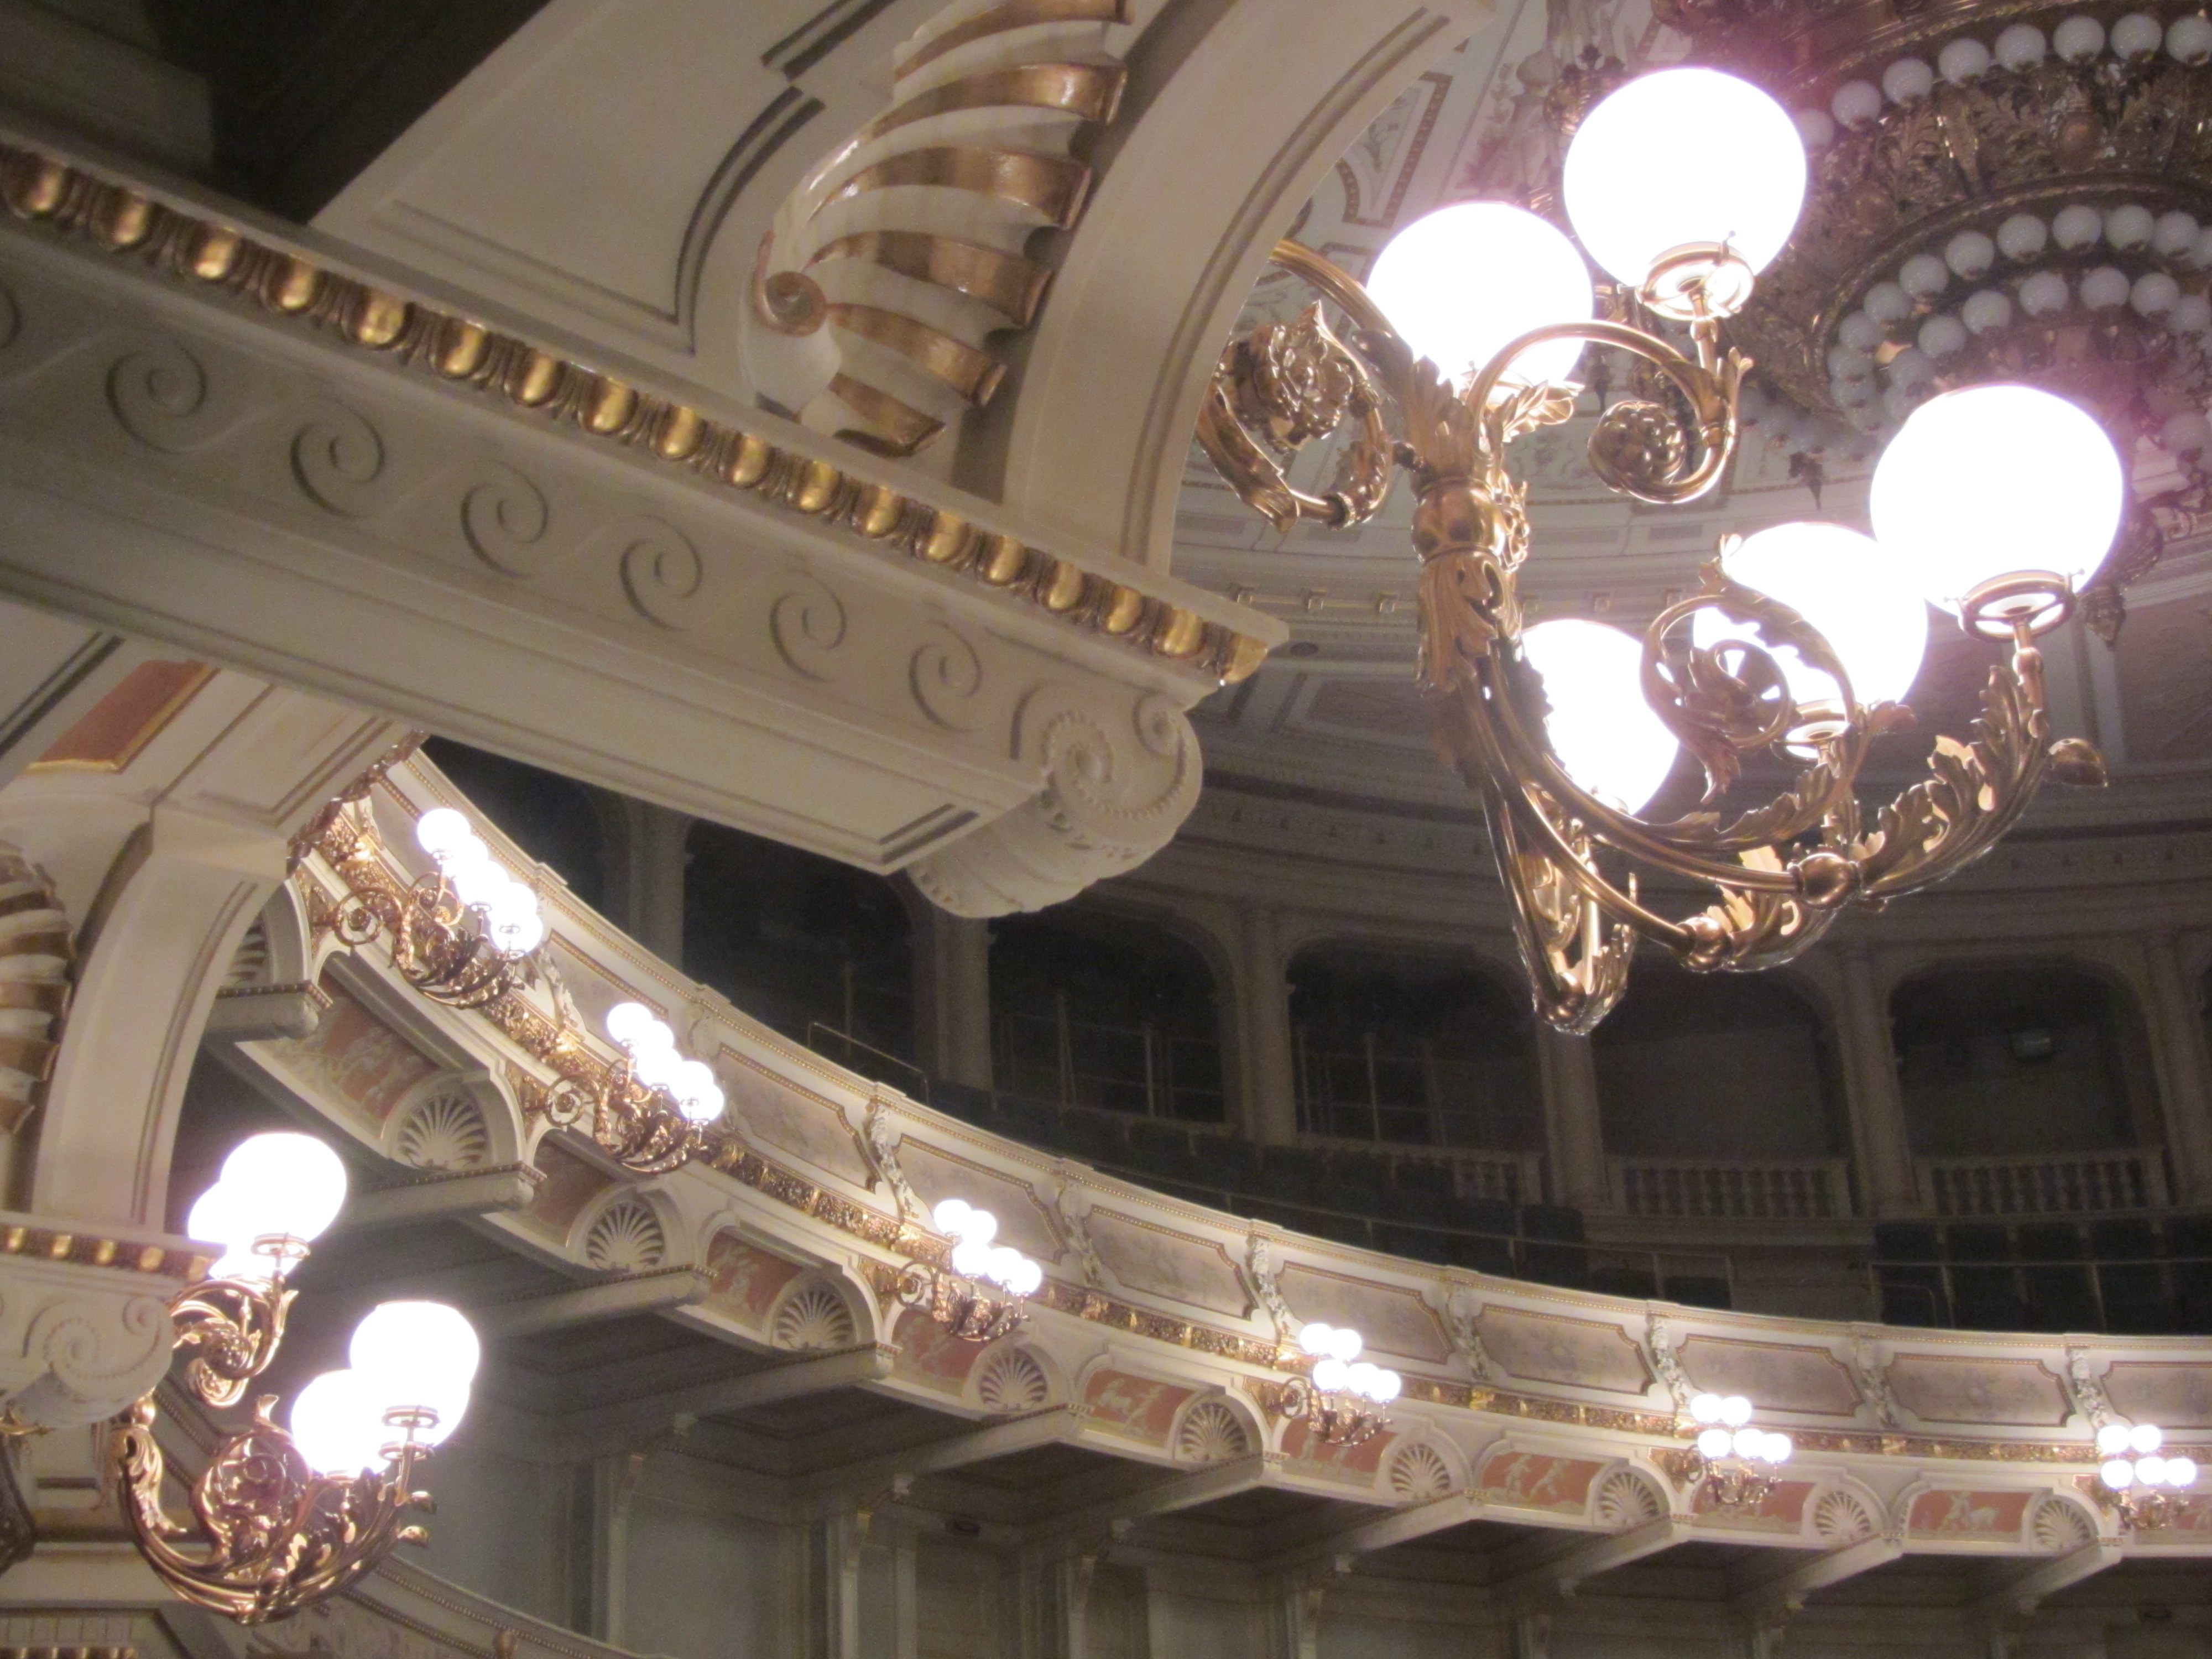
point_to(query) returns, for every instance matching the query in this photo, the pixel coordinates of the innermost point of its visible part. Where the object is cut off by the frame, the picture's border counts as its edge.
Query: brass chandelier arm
(233, 1327)
(278, 1534)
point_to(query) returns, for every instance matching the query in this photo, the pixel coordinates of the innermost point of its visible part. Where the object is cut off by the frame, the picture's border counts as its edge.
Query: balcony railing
(1760, 1190)
(2071, 1183)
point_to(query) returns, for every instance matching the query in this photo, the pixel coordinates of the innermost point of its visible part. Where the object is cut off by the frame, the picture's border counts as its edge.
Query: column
(1574, 1133)
(645, 879)
(1880, 1139)
(2176, 1017)
(1268, 1081)
(951, 993)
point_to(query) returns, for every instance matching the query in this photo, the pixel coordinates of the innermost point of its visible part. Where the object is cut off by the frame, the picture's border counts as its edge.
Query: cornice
(194, 247)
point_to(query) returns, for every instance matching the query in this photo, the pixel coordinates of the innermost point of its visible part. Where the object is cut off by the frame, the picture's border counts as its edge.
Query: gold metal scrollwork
(1781, 871)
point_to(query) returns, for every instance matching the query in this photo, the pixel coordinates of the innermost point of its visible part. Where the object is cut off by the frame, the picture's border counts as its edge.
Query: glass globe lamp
(1465, 281)
(417, 1354)
(1993, 482)
(272, 1186)
(1859, 594)
(339, 1424)
(1604, 734)
(1681, 158)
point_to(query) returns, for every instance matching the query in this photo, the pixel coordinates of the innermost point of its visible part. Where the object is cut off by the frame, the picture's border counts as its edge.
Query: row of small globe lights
(2133, 39)
(1338, 1367)
(1728, 1431)
(2131, 1458)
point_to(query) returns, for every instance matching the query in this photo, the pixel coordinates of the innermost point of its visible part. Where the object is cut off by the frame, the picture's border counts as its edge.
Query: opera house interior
(1105, 829)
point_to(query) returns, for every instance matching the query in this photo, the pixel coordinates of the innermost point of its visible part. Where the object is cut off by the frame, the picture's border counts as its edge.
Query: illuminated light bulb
(1748, 1443)
(1388, 1383)
(1714, 1443)
(220, 1216)
(1463, 283)
(632, 1023)
(2145, 1437)
(291, 1184)
(513, 921)
(698, 1096)
(2151, 1470)
(971, 1258)
(2118, 1473)
(418, 1354)
(1736, 1410)
(1989, 480)
(339, 1424)
(475, 881)
(1682, 157)
(1860, 595)
(1315, 1338)
(2112, 1439)
(1780, 1448)
(950, 1217)
(1026, 1279)
(655, 1067)
(441, 832)
(2180, 1472)
(1606, 736)
(1344, 1342)
(982, 1226)
(1706, 1408)
(1331, 1375)
(1006, 1265)
(1360, 1378)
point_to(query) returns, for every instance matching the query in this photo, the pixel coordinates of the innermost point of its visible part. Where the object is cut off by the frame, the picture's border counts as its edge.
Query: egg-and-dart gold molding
(44, 189)
(354, 857)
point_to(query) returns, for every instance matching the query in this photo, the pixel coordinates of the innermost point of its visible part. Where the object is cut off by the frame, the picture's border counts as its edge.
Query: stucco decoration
(1872, 1373)
(796, 1121)
(1392, 1320)
(1625, 1499)
(1144, 1256)
(1119, 775)
(1317, 1459)
(813, 1315)
(1011, 1381)
(2172, 1393)
(1421, 1474)
(743, 1279)
(1138, 1407)
(1538, 1481)
(2089, 1393)
(1581, 1353)
(1937, 1388)
(1841, 1518)
(443, 1129)
(34, 991)
(1780, 1377)
(626, 1237)
(2057, 1526)
(1781, 1511)
(1463, 1322)
(1962, 1517)
(352, 1057)
(1071, 1206)
(1666, 1360)
(885, 273)
(1266, 1294)
(1213, 1431)
(879, 1140)
(79, 1343)
(1024, 1222)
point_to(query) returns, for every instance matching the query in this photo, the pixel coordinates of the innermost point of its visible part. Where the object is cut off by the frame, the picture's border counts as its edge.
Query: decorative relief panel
(1625, 1500)
(1012, 1382)
(812, 1316)
(1783, 1509)
(931, 1355)
(1145, 1256)
(1538, 1481)
(2172, 1393)
(34, 989)
(1779, 1377)
(795, 1120)
(569, 1189)
(1392, 1320)
(1024, 1221)
(626, 1237)
(1547, 1348)
(1213, 1431)
(1316, 1458)
(1136, 1406)
(441, 1128)
(1980, 1517)
(1421, 1474)
(743, 1279)
(1842, 1518)
(1938, 1389)
(351, 1057)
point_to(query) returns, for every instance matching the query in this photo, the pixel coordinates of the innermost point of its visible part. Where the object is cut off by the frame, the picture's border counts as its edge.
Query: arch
(1421, 1469)
(457, 1120)
(1412, 1046)
(1014, 1378)
(2022, 1056)
(1625, 1497)
(627, 1230)
(816, 1312)
(1111, 1009)
(1215, 1427)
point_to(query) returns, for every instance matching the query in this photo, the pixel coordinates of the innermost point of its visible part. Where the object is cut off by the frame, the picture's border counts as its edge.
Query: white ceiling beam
(442, 1197)
(618, 1298)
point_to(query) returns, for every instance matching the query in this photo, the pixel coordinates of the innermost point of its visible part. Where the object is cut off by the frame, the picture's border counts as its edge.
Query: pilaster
(1880, 1138)
(1574, 1131)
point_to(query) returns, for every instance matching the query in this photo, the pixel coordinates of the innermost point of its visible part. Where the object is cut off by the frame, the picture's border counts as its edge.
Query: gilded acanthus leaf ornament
(1780, 870)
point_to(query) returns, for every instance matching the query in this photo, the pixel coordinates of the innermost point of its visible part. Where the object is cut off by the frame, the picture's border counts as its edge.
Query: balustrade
(2075, 1183)
(1806, 1189)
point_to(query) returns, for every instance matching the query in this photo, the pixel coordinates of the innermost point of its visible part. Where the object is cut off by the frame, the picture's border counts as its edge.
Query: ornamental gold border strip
(354, 856)
(92, 1251)
(44, 189)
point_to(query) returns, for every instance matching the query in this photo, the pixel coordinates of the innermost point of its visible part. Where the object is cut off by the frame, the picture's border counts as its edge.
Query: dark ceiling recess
(307, 93)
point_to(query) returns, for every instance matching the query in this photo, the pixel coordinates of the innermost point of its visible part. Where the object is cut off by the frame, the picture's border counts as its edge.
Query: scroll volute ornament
(1782, 871)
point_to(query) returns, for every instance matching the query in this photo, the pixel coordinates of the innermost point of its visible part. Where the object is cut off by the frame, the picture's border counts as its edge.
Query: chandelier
(1993, 502)
(2135, 1480)
(284, 1517)
(1996, 195)
(1342, 1398)
(1736, 1464)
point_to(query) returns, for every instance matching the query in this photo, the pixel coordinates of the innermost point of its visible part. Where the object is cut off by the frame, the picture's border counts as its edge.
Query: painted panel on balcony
(1392, 1320)
(1144, 1256)
(1937, 1388)
(1546, 1348)
(2172, 1394)
(1778, 1376)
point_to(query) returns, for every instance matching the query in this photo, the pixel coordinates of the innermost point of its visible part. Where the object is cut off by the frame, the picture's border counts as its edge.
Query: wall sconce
(291, 1517)
(952, 1294)
(2135, 1480)
(648, 1111)
(1737, 1464)
(464, 937)
(1342, 1399)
